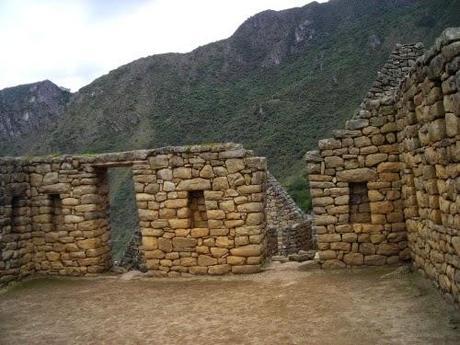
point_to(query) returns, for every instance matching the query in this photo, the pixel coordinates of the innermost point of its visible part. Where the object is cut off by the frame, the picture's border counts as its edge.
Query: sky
(72, 42)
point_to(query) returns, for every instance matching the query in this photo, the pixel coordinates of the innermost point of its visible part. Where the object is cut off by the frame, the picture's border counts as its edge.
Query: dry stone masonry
(200, 208)
(288, 227)
(387, 189)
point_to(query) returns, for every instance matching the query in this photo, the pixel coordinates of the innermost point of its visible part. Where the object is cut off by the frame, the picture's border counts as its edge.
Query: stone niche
(360, 210)
(403, 146)
(201, 210)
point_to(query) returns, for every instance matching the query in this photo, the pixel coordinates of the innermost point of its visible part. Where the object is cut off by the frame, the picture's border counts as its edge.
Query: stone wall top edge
(127, 156)
(448, 36)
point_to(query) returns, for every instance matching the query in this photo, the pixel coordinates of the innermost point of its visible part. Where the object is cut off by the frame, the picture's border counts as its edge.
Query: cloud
(74, 41)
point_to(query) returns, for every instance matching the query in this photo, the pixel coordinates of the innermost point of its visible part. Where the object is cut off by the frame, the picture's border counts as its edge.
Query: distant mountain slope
(27, 112)
(279, 83)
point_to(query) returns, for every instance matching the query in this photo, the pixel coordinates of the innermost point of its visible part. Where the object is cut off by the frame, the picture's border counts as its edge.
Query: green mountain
(27, 114)
(278, 84)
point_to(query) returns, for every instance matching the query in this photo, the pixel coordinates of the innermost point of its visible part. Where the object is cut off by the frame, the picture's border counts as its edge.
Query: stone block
(224, 242)
(182, 172)
(219, 252)
(329, 238)
(452, 125)
(58, 188)
(205, 260)
(227, 205)
(437, 130)
(79, 190)
(456, 244)
(322, 201)
(251, 207)
(374, 260)
(248, 250)
(235, 260)
(325, 219)
(367, 248)
(388, 249)
(356, 124)
(179, 223)
(376, 158)
(90, 243)
(165, 244)
(327, 254)
(357, 175)
(198, 270)
(219, 269)
(70, 218)
(349, 237)
(194, 184)
(158, 162)
(234, 165)
(381, 207)
(220, 183)
(342, 246)
(146, 215)
(199, 232)
(188, 262)
(333, 162)
(255, 218)
(353, 259)
(149, 243)
(184, 243)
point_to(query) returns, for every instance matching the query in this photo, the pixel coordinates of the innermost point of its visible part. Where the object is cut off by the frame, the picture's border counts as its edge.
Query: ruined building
(386, 189)
(201, 210)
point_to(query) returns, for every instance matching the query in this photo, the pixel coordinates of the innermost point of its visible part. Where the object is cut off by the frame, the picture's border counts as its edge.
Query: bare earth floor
(284, 305)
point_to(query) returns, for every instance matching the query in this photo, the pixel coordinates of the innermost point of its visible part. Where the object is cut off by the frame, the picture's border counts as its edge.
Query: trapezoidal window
(360, 211)
(56, 210)
(197, 207)
(18, 210)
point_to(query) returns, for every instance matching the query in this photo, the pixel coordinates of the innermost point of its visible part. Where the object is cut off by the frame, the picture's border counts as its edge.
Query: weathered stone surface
(456, 244)
(249, 250)
(333, 162)
(353, 259)
(388, 249)
(376, 158)
(219, 269)
(204, 260)
(356, 124)
(325, 220)
(234, 165)
(58, 188)
(194, 184)
(374, 260)
(357, 175)
(183, 244)
(158, 162)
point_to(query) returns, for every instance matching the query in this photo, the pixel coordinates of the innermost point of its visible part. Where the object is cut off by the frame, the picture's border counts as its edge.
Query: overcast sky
(72, 42)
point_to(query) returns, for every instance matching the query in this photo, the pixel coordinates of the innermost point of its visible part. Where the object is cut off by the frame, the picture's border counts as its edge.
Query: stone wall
(385, 189)
(428, 118)
(200, 209)
(289, 228)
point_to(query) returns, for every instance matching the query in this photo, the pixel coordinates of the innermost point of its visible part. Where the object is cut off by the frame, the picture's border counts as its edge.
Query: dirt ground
(284, 305)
